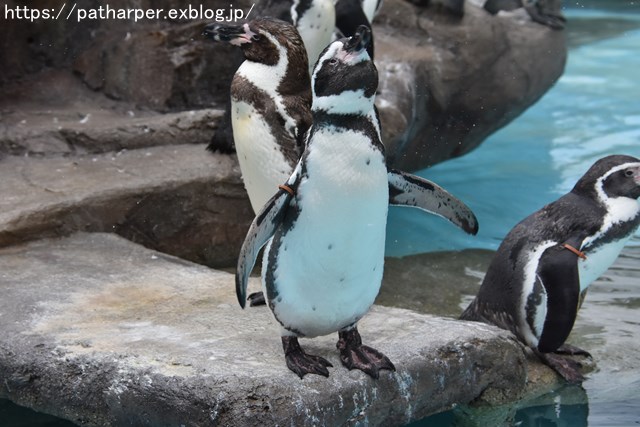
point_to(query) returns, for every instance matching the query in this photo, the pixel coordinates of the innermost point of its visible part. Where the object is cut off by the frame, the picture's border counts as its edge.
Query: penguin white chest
(262, 163)
(619, 210)
(316, 28)
(598, 261)
(329, 265)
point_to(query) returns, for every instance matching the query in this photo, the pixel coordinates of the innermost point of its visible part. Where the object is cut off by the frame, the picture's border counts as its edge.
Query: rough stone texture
(176, 199)
(101, 331)
(455, 81)
(446, 82)
(58, 115)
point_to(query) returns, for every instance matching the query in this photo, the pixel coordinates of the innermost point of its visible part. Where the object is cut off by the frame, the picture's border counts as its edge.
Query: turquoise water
(591, 112)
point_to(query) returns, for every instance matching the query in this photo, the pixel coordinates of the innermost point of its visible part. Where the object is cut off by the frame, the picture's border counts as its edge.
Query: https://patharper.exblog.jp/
(71, 11)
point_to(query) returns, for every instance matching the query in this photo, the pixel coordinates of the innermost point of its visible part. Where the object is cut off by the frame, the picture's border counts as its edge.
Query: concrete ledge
(101, 331)
(162, 197)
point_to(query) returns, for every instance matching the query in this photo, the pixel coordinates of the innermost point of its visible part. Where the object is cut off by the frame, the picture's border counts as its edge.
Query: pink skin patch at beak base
(243, 38)
(352, 57)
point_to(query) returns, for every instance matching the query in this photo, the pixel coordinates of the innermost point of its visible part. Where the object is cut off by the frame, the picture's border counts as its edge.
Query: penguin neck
(349, 102)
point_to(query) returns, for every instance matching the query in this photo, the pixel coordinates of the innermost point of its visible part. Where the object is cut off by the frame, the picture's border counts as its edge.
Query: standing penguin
(270, 102)
(350, 14)
(325, 228)
(548, 260)
(314, 20)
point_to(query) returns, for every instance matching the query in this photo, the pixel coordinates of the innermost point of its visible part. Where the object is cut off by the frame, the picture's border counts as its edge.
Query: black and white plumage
(534, 282)
(351, 14)
(315, 20)
(270, 102)
(325, 230)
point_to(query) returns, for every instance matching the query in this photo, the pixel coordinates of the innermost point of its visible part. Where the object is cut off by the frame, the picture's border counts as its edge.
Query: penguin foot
(571, 350)
(256, 299)
(354, 355)
(302, 363)
(568, 368)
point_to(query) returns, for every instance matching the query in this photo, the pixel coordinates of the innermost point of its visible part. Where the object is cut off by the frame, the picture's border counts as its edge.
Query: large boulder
(447, 82)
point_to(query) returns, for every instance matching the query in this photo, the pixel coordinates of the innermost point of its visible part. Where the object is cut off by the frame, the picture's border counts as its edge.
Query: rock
(447, 82)
(117, 334)
(179, 199)
(456, 80)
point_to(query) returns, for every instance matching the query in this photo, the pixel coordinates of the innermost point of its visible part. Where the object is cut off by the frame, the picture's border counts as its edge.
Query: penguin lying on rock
(270, 102)
(324, 229)
(534, 284)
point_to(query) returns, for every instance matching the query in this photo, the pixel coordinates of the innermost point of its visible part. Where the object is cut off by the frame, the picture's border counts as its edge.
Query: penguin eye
(256, 37)
(333, 61)
(628, 172)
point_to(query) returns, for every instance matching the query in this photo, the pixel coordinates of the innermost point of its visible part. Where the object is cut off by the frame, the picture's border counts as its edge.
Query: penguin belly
(262, 163)
(317, 33)
(328, 265)
(598, 261)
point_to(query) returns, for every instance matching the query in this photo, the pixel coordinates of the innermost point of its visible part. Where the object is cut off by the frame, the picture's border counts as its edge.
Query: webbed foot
(256, 299)
(354, 355)
(568, 368)
(571, 350)
(302, 363)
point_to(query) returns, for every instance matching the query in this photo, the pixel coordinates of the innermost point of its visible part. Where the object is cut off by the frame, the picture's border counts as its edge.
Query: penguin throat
(351, 102)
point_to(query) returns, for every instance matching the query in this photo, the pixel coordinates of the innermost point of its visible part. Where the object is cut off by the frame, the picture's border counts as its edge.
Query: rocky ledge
(102, 331)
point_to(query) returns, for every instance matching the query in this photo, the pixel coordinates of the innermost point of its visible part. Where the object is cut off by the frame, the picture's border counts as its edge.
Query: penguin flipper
(410, 190)
(262, 229)
(558, 271)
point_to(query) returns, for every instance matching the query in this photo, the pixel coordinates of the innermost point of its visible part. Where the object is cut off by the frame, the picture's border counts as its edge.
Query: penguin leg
(354, 355)
(256, 299)
(568, 368)
(302, 363)
(571, 350)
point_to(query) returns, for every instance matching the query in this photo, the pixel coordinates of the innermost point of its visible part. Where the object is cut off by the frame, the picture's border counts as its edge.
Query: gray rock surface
(446, 82)
(102, 331)
(177, 199)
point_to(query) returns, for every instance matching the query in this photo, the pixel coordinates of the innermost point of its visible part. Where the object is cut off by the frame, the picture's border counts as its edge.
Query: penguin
(314, 20)
(350, 14)
(545, 12)
(270, 102)
(324, 229)
(534, 283)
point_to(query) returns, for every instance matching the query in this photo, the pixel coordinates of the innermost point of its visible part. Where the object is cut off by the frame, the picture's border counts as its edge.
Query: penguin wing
(262, 229)
(559, 274)
(410, 190)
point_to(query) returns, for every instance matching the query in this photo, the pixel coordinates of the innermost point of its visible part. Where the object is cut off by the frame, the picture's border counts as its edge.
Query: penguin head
(611, 177)
(262, 40)
(345, 79)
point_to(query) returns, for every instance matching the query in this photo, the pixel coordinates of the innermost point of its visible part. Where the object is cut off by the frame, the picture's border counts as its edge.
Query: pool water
(593, 111)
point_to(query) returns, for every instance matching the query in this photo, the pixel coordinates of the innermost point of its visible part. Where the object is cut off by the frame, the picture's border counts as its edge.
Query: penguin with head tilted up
(270, 102)
(324, 229)
(534, 284)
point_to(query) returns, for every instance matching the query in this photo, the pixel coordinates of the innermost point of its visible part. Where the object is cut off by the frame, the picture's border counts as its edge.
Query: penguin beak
(359, 41)
(236, 35)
